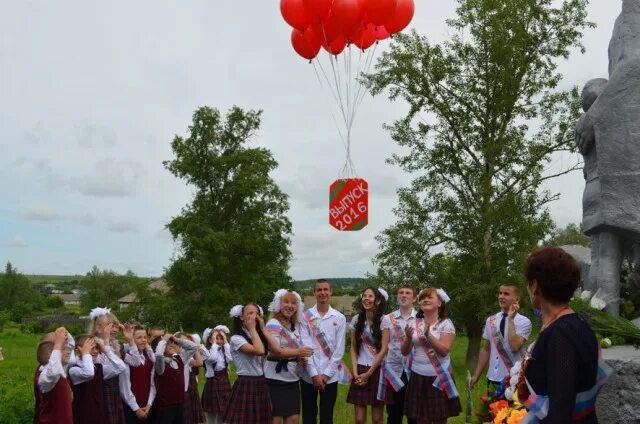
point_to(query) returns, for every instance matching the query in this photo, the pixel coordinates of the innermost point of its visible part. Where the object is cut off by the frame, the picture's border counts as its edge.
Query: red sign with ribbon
(349, 204)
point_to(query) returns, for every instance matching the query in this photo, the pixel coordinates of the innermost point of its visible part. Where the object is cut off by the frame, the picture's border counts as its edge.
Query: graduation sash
(344, 376)
(443, 381)
(498, 340)
(279, 330)
(388, 377)
(538, 405)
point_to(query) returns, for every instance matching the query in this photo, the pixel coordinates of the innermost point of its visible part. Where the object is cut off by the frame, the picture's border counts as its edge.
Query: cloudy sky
(92, 93)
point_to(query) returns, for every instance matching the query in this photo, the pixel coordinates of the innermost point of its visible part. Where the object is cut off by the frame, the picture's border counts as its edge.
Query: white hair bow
(384, 293)
(236, 311)
(443, 295)
(98, 312)
(222, 328)
(274, 306)
(206, 334)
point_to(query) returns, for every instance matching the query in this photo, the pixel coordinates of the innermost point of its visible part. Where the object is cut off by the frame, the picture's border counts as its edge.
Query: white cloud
(110, 178)
(16, 241)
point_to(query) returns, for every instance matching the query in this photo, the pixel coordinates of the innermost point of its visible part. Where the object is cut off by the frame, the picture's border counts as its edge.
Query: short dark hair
(321, 281)
(555, 271)
(82, 339)
(515, 288)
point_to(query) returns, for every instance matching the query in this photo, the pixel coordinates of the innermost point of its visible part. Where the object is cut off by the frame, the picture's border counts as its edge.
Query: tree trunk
(474, 332)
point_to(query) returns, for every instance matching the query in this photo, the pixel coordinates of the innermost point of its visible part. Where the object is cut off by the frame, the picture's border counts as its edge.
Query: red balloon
(305, 43)
(381, 32)
(295, 14)
(336, 46)
(326, 31)
(348, 15)
(379, 11)
(317, 9)
(401, 17)
(365, 37)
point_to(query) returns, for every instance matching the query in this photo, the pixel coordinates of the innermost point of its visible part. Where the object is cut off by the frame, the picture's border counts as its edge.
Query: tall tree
(19, 299)
(485, 117)
(104, 288)
(571, 234)
(234, 235)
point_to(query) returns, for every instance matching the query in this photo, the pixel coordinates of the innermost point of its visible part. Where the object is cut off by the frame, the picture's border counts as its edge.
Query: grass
(17, 371)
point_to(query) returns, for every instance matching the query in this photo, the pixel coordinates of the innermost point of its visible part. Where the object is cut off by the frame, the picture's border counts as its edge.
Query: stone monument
(608, 136)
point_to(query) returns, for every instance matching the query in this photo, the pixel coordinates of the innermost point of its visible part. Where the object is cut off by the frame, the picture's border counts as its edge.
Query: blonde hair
(280, 316)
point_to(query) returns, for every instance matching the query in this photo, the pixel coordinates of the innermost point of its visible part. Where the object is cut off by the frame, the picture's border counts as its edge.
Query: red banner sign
(349, 204)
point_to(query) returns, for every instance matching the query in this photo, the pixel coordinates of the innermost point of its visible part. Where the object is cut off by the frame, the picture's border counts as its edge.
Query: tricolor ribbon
(314, 324)
(443, 381)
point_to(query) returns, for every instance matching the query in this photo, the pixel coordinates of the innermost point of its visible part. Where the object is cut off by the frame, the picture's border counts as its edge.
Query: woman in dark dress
(562, 367)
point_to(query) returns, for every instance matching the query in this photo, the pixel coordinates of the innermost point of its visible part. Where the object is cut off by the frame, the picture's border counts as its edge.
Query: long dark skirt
(113, 411)
(249, 401)
(367, 395)
(216, 393)
(425, 403)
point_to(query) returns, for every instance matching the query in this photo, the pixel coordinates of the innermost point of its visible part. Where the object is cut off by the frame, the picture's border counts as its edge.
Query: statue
(608, 136)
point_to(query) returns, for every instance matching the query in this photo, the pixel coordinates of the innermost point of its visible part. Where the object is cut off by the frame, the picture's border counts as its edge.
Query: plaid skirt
(249, 402)
(425, 403)
(367, 395)
(193, 412)
(216, 393)
(113, 411)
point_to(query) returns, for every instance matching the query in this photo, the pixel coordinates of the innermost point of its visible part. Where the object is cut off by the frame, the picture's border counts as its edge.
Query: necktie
(502, 323)
(221, 349)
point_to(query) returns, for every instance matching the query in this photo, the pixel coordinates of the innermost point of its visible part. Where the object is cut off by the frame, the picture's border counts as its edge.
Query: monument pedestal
(619, 400)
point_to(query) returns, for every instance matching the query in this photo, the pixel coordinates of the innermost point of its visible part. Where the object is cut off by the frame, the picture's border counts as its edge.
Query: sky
(92, 93)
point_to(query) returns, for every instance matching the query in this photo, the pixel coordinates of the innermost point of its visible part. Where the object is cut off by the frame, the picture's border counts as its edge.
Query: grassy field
(17, 370)
(53, 279)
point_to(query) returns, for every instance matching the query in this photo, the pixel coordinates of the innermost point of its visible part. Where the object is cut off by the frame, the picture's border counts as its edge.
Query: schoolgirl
(193, 412)
(369, 345)
(217, 389)
(137, 387)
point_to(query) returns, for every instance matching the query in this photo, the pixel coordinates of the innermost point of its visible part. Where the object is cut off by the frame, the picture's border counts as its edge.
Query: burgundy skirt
(216, 393)
(249, 402)
(367, 395)
(193, 412)
(425, 403)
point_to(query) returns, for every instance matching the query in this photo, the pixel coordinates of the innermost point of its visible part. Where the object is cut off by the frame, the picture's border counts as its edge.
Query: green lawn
(17, 370)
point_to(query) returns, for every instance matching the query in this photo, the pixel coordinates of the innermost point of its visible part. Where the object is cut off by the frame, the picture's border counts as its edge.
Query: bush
(54, 302)
(4, 318)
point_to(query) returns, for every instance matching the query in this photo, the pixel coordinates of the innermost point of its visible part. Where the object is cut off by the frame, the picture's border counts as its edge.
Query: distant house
(159, 284)
(343, 304)
(69, 299)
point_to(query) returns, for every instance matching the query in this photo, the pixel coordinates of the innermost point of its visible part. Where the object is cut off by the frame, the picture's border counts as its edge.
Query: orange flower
(497, 406)
(501, 416)
(516, 416)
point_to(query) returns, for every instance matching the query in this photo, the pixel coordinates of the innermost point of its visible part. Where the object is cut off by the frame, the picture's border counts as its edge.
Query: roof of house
(158, 284)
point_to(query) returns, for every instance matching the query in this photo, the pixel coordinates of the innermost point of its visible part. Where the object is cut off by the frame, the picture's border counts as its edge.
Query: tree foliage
(234, 234)
(485, 116)
(19, 299)
(104, 287)
(570, 235)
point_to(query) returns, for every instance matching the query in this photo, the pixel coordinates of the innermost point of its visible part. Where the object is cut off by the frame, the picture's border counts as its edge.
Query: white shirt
(84, 370)
(246, 364)
(366, 355)
(215, 359)
(394, 359)
(497, 370)
(125, 385)
(290, 372)
(421, 363)
(334, 326)
(51, 372)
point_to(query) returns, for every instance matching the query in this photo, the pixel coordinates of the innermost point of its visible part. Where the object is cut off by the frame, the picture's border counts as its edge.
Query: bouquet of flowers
(612, 330)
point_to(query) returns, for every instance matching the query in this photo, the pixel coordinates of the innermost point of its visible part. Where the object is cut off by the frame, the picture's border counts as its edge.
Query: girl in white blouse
(432, 395)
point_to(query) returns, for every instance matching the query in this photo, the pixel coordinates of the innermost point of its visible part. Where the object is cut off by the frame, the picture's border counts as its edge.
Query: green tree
(104, 287)
(571, 234)
(19, 297)
(234, 234)
(153, 307)
(485, 116)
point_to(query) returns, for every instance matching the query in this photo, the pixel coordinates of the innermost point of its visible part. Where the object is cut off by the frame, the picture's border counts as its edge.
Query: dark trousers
(310, 402)
(173, 415)
(395, 412)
